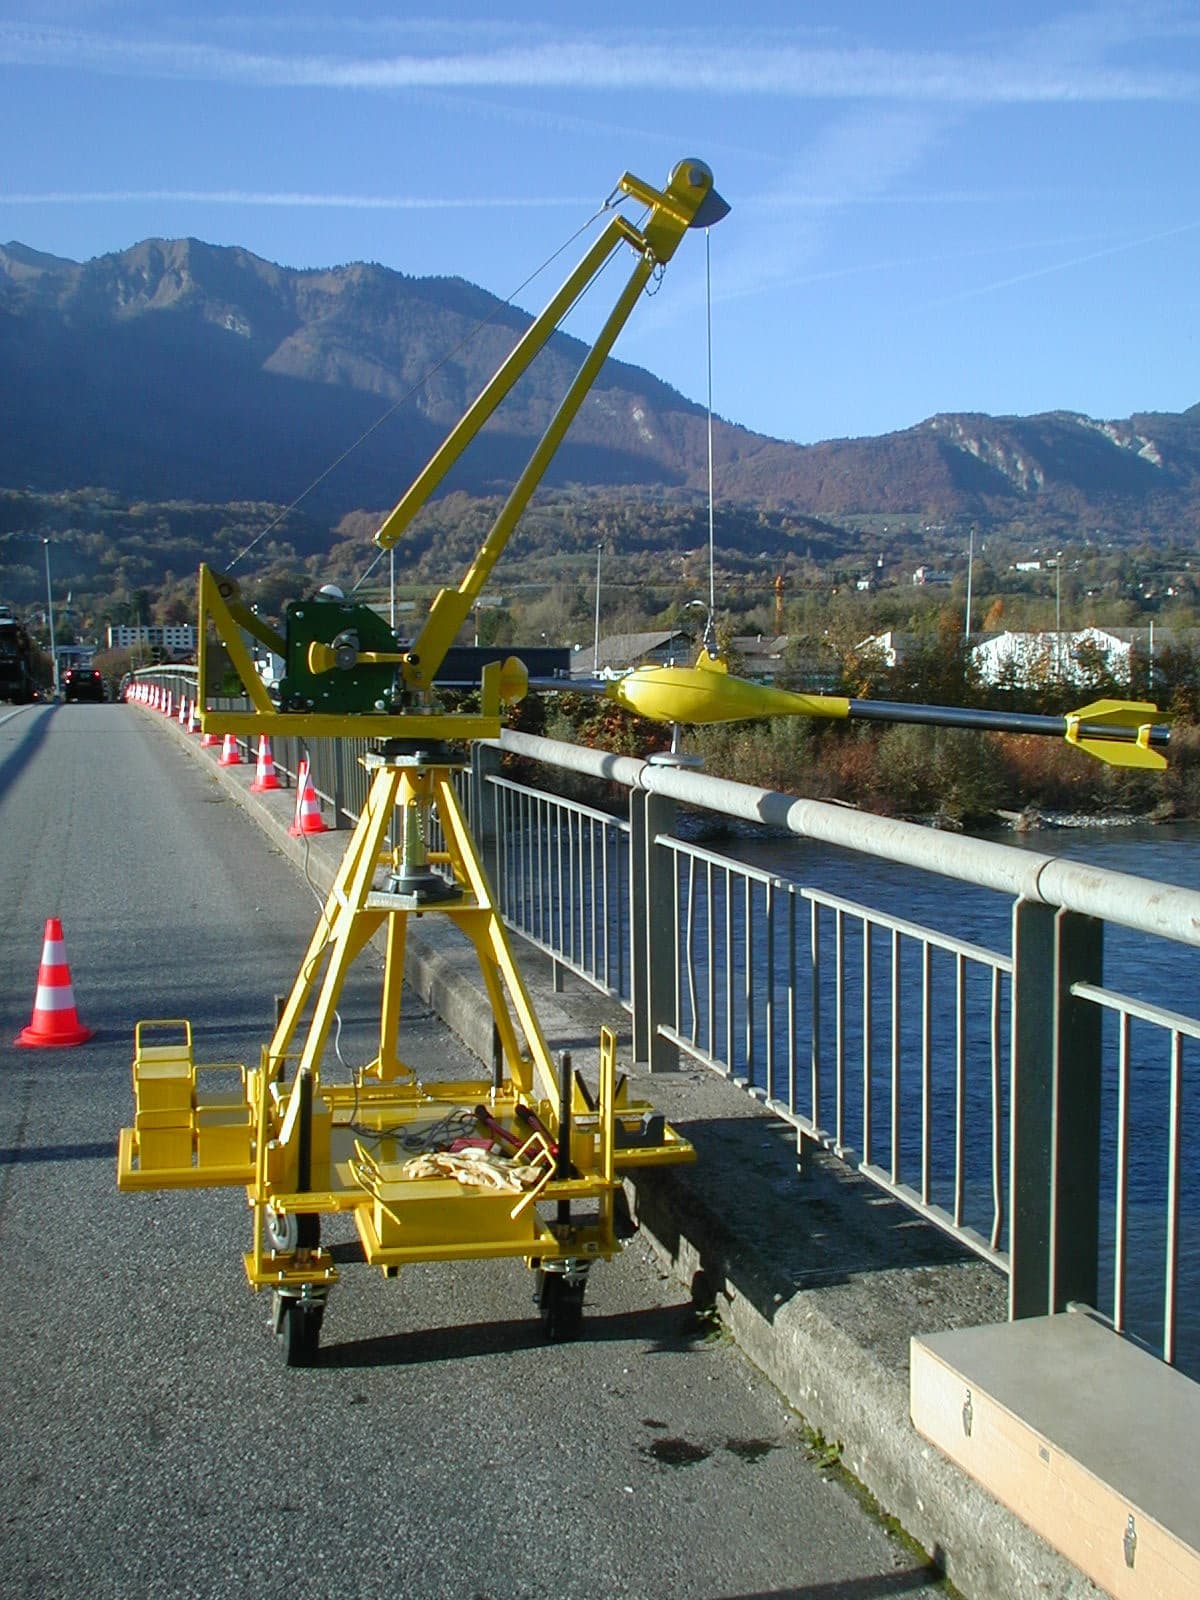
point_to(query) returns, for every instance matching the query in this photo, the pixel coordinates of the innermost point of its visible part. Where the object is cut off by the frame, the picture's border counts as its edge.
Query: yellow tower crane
(524, 1164)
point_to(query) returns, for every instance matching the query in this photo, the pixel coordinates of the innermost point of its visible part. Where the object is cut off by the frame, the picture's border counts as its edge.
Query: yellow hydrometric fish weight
(709, 693)
(1123, 733)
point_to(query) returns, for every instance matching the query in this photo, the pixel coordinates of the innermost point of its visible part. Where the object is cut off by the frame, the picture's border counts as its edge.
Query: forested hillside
(176, 370)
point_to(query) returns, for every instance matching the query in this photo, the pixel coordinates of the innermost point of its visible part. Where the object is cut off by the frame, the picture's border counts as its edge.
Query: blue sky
(935, 207)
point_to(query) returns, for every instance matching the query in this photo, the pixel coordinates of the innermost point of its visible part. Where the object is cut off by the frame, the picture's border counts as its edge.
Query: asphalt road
(152, 1441)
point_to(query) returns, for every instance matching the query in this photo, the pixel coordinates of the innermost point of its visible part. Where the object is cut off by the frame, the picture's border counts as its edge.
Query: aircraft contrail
(1064, 266)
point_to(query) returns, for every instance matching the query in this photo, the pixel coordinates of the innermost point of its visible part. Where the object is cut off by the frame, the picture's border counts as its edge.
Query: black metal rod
(304, 1134)
(566, 1080)
(998, 721)
(497, 1058)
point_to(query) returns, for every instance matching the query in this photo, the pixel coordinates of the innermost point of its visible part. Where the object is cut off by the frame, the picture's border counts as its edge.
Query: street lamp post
(50, 620)
(970, 575)
(1058, 650)
(596, 643)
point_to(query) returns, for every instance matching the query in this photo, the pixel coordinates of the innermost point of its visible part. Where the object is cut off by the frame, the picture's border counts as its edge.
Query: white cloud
(582, 61)
(255, 197)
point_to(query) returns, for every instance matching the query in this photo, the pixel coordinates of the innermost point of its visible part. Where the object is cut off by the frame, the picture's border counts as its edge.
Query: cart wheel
(300, 1326)
(280, 1231)
(287, 1231)
(561, 1301)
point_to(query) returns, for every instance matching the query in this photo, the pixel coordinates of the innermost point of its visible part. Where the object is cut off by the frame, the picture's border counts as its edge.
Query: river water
(1158, 971)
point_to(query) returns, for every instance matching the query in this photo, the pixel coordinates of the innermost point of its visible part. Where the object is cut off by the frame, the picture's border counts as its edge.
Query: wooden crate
(1091, 1441)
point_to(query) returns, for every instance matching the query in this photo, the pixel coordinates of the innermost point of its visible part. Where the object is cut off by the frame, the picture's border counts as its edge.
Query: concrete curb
(820, 1282)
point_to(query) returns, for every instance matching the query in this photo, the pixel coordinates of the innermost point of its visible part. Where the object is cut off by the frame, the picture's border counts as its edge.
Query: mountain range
(181, 370)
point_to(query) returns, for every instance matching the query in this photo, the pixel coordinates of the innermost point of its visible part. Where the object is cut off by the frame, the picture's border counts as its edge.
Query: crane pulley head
(688, 201)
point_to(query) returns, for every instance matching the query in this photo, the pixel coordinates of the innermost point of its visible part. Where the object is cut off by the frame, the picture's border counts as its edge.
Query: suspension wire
(416, 387)
(374, 562)
(712, 577)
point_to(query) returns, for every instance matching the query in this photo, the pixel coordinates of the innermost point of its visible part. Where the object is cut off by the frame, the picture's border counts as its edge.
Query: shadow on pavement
(18, 757)
(100, 1150)
(660, 1329)
(876, 1587)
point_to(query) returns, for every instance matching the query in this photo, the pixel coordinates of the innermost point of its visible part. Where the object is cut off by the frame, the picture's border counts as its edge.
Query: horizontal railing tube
(1162, 910)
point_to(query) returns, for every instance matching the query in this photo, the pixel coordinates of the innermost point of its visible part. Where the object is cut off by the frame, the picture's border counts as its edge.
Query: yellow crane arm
(688, 201)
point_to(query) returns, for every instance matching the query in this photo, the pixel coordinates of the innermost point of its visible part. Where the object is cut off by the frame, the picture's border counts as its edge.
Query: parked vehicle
(16, 660)
(83, 683)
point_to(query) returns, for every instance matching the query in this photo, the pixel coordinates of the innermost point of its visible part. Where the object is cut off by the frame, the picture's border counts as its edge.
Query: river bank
(955, 779)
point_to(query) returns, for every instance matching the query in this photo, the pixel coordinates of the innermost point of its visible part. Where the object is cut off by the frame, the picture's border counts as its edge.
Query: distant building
(73, 655)
(761, 654)
(892, 647)
(924, 575)
(175, 639)
(1023, 659)
(619, 652)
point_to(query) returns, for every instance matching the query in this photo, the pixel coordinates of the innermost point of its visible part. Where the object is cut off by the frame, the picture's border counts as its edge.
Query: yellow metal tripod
(525, 1164)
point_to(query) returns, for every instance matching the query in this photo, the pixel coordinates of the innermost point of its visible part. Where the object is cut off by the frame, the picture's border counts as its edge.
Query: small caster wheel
(298, 1323)
(560, 1300)
(289, 1231)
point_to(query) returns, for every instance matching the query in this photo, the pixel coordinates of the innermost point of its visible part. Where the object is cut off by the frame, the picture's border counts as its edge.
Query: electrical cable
(456, 1124)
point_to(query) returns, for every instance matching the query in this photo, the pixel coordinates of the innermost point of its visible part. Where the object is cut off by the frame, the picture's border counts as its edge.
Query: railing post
(1077, 1099)
(651, 931)
(1031, 1110)
(339, 782)
(485, 801)
(1054, 1169)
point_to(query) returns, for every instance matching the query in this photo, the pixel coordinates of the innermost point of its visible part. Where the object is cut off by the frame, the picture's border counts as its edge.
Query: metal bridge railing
(781, 988)
(1166, 1031)
(1002, 1090)
(1006, 1094)
(562, 876)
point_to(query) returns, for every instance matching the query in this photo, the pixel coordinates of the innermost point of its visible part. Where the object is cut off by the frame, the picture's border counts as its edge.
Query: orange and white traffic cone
(169, 707)
(54, 1021)
(182, 717)
(230, 755)
(265, 776)
(308, 807)
(193, 721)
